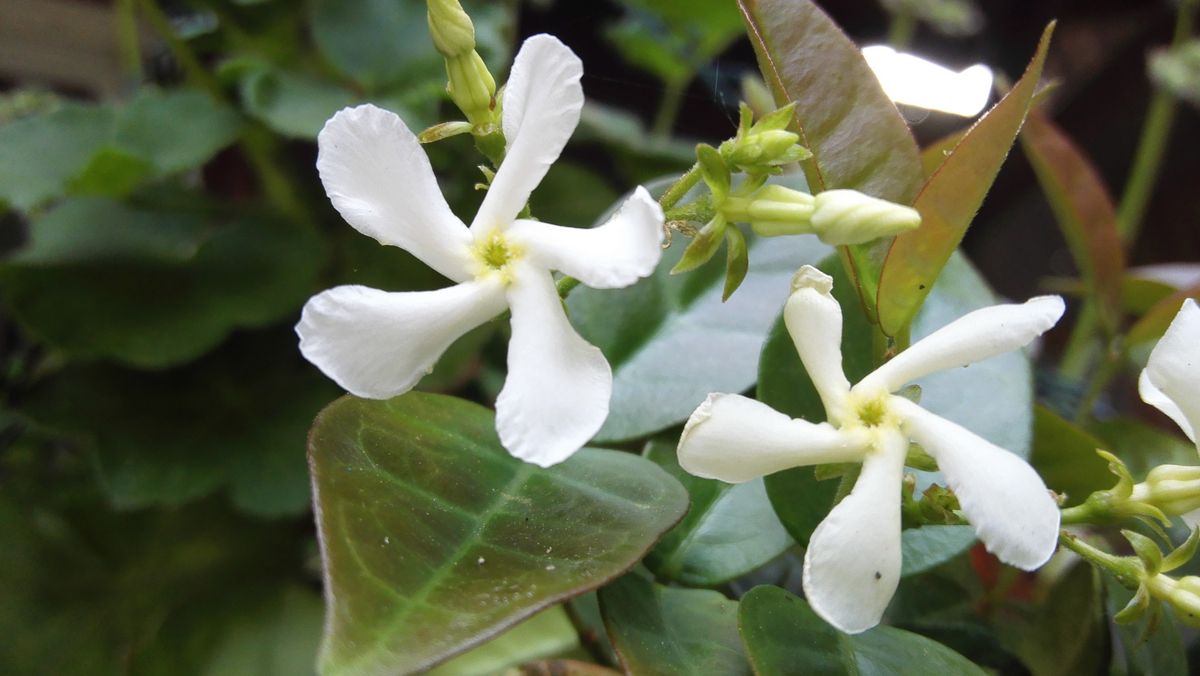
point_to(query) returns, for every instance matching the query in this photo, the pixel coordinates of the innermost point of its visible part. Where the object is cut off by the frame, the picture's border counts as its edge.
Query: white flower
(1171, 380)
(852, 564)
(378, 345)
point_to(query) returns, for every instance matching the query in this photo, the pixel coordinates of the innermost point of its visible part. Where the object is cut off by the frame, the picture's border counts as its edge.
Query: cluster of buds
(837, 217)
(470, 85)
(1169, 490)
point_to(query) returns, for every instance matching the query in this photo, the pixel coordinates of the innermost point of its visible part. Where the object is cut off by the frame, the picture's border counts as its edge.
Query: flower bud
(1174, 489)
(1183, 595)
(762, 148)
(850, 217)
(471, 87)
(453, 33)
(773, 210)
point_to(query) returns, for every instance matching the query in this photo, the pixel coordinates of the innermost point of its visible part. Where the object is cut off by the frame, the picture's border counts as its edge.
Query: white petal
(1171, 380)
(558, 387)
(971, 338)
(852, 565)
(542, 101)
(379, 179)
(735, 439)
(378, 344)
(610, 256)
(814, 319)
(1002, 496)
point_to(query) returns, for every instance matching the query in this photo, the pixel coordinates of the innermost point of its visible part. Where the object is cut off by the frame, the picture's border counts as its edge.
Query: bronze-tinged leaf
(434, 538)
(950, 199)
(1083, 208)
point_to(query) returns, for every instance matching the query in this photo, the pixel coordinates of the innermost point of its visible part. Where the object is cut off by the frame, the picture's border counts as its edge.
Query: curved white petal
(558, 387)
(1158, 399)
(814, 320)
(852, 565)
(1002, 496)
(735, 439)
(971, 338)
(542, 101)
(610, 256)
(378, 344)
(1171, 380)
(379, 179)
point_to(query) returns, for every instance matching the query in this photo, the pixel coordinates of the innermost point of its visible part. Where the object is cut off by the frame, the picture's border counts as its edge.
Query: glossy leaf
(670, 339)
(291, 103)
(155, 300)
(1065, 456)
(234, 421)
(784, 636)
(435, 539)
(992, 398)
(949, 200)
(713, 544)
(546, 634)
(661, 630)
(930, 546)
(1082, 206)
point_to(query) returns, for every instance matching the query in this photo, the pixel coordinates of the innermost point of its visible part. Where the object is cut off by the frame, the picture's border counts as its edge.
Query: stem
(1155, 132)
(193, 70)
(1100, 378)
(901, 29)
(566, 285)
(680, 188)
(668, 108)
(1125, 570)
(127, 38)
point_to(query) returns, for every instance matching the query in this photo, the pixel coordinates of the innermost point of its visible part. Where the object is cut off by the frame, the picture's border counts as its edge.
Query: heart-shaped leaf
(713, 544)
(435, 539)
(663, 630)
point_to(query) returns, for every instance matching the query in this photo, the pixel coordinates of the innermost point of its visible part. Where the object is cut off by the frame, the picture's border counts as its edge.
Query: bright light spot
(913, 81)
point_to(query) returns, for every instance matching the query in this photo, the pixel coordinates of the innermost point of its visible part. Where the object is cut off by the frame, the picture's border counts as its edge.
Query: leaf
(234, 421)
(1142, 446)
(546, 634)
(294, 104)
(278, 638)
(1141, 649)
(670, 339)
(930, 546)
(102, 149)
(1065, 456)
(1153, 324)
(1082, 207)
(784, 636)
(660, 630)
(992, 398)
(713, 544)
(949, 200)
(857, 137)
(434, 539)
(1064, 633)
(106, 280)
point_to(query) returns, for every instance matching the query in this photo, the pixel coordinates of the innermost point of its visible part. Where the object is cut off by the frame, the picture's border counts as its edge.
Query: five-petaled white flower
(1171, 380)
(378, 345)
(852, 564)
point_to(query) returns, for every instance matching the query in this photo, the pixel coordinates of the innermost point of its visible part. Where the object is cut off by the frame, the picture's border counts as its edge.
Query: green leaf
(784, 636)
(174, 130)
(1139, 648)
(435, 539)
(857, 137)
(376, 42)
(277, 638)
(661, 630)
(294, 104)
(111, 281)
(713, 545)
(1064, 633)
(1142, 446)
(1065, 456)
(40, 155)
(235, 420)
(949, 200)
(546, 634)
(930, 546)
(1082, 207)
(992, 398)
(670, 339)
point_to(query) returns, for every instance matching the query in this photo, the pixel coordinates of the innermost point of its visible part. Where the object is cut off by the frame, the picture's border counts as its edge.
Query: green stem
(668, 109)
(680, 188)
(566, 285)
(193, 70)
(1100, 378)
(901, 29)
(127, 38)
(1155, 132)
(1125, 570)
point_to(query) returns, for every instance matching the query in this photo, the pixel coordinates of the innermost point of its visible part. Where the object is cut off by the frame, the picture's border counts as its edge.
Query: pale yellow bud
(851, 217)
(452, 30)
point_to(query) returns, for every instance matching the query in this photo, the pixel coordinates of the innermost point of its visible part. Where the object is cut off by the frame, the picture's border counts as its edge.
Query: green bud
(776, 120)
(472, 88)
(453, 33)
(773, 210)
(850, 217)
(1183, 595)
(1174, 489)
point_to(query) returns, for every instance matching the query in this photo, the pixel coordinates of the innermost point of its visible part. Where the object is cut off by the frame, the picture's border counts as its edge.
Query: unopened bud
(471, 87)
(1174, 489)
(850, 217)
(453, 33)
(1183, 595)
(773, 210)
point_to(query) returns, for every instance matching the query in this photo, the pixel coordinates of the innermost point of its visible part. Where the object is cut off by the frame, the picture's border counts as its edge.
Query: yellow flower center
(494, 254)
(870, 411)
